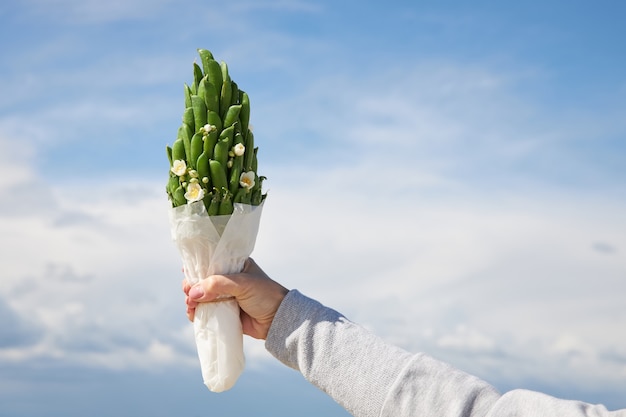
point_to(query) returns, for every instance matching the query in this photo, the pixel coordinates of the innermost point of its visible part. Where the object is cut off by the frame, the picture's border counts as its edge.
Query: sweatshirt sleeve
(371, 378)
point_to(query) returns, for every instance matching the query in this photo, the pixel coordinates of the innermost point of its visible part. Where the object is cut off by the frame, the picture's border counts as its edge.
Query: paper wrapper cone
(208, 246)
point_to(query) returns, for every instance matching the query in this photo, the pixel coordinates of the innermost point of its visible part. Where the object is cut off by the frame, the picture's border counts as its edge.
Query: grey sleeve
(371, 378)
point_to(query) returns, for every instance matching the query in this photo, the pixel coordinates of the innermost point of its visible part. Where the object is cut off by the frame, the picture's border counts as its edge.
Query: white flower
(246, 180)
(179, 167)
(208, 128)
(239, 149)
(194, 192)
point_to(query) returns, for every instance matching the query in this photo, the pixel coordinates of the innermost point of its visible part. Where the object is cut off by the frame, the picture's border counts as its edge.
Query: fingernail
(196, 292)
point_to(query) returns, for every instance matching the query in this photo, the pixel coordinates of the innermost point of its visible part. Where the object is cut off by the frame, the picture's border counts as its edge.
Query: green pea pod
(181, 131)
(197, 76)
(209, 143)
(244, 114)
(186, 131)
(213, 118)
(234, 93)
(178, 150)
(255, 162)
(168, 150)
(239, 159)
(214, 206)
(202, 166)
(179, 196)
(187, 96)
(257, 197)
(229, 134)
(225, 97)
(207, 200)
(225, 74)
(258, 182)
(205, 57)
(238, 163)
(199, 112)
(187, 144)
(239, 140)
(215, 74)
(249, 154)
(220, 153)
(169, 194)
(235, 173)
(211, 98)
(232, 115)
(218, 175)
(172, 184)
(226, 205)
(201, 88)
(243, 196)
(188, 117)
(196, 149)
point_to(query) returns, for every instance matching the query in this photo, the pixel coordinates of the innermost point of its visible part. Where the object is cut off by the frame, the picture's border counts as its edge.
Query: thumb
(214, 287)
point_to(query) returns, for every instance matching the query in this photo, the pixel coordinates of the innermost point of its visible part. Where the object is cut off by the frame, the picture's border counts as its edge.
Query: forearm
(371, 378)
(365, 375)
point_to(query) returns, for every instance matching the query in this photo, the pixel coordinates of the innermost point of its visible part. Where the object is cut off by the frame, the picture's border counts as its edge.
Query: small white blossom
(229, 164)
(239, 149)
(246, 180)
(208, 128)
(194, 192)
(179, 167)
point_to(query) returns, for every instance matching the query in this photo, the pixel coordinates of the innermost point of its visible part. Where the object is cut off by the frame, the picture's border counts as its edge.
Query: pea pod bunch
(213, 158)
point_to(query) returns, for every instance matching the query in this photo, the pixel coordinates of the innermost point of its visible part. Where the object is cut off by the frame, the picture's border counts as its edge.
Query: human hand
(257, 294)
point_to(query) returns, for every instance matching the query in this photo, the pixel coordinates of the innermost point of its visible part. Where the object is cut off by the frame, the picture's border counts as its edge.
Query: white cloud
(85, 268)
(376, 213)
(506, 288)
(505, 285)
(464, 339)
(423, 207)
(16, 158)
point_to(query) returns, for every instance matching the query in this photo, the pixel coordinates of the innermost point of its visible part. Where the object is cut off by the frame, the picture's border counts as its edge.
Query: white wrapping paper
(216, 245)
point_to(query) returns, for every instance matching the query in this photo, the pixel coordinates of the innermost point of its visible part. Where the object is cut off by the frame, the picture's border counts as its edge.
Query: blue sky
(449, 175)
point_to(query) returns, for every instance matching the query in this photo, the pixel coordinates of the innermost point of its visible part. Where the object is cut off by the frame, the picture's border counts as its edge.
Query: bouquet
(216, 199)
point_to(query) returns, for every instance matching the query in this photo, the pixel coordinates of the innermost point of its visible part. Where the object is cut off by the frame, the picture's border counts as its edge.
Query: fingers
(191, 305)
(191, 312)
(217, 287)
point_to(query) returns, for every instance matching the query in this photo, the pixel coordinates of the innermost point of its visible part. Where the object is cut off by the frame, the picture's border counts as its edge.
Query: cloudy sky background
(451, 176)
